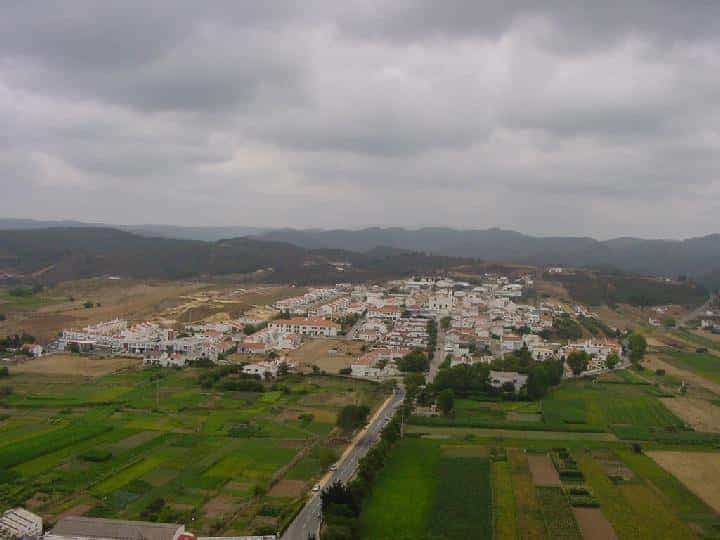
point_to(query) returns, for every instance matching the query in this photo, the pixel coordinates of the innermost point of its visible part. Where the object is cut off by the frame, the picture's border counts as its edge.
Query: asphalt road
(307, 522)
(439, 356)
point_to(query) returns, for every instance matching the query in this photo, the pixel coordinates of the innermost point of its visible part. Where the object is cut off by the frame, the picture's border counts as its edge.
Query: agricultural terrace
(157, 445)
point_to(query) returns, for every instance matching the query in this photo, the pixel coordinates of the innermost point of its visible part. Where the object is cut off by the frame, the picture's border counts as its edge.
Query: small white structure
(19, 523)
(499, 378)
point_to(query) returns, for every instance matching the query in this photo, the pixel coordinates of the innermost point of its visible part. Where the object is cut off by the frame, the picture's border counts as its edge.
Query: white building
(19, 523)
(306, 326)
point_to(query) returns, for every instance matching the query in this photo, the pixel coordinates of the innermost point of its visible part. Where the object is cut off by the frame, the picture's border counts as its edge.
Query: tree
(4, 372)
(669, 322)
(249, 329)
(73, 348)
(578, 361)
(637, 345)
(326, 456)
(2, 317)
(352, 417)
(446, 401)
(88, 304)
(612, 360)
(413, 361)
(445, 323)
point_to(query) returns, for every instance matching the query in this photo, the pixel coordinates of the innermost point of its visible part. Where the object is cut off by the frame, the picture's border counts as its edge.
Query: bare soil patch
(78, 510)
(319, 352)
(220, 505)
(593, 524)
(68, 364)
(701, 415)
(699, 471)
(542, 470)
(612, 466)
(291, 443)
(287, 488)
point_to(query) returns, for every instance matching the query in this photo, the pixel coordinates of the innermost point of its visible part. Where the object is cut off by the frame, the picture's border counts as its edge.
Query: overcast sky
(593, 118)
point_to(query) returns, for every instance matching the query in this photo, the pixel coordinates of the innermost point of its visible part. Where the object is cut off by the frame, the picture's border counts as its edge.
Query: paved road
(351, 333)
(307, 522)
(439, 356)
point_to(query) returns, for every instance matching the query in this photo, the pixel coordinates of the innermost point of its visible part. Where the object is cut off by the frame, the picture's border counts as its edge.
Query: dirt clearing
(593, 524)
(330, 355)
(543, 471)
(68, 364)
(287, 488)
(701, 415)
(699, 471)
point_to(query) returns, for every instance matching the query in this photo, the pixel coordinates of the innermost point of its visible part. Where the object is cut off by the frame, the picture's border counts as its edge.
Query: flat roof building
(115, 529)
(18, 523)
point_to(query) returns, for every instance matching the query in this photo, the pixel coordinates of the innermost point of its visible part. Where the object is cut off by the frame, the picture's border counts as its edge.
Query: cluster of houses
(152, 342)
(303, 304)
(18, 523)
(486, 321)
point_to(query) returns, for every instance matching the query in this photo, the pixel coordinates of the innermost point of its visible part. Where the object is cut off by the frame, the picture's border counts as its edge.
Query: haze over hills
(208, 234)
(65, 253)
(696, 257)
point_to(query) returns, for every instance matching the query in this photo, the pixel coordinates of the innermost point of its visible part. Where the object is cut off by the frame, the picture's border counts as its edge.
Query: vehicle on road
(316, 488)
(333, 467)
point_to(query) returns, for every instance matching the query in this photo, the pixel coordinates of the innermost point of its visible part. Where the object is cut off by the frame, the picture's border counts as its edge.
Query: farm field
(623, 405)
(154, 445)
(703, 364)
(69, 364)
(462, 489)
(698, 471)
(451, 494)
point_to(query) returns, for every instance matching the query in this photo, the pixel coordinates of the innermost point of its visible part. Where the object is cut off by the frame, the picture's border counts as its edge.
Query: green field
(706, 365)
(622, 404)
(210, 456)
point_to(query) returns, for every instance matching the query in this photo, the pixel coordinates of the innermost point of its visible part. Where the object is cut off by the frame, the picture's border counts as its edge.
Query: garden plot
(593, 524)
(542, 470)
(615, 469)
(698, 471)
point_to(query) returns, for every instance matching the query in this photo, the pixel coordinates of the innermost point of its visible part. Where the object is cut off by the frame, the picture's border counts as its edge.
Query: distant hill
(209, 234)
(65, 253)
(695, 257)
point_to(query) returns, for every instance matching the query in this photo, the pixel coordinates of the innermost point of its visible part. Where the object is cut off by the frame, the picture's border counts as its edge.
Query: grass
(683, 501)
(462, 499)
(391, 513)
(557, 514)
(504, 512)
(706, 365)
(530, 517)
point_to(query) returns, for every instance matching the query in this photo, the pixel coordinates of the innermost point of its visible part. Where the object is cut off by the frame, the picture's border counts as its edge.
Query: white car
(333, 467)
(316, 488)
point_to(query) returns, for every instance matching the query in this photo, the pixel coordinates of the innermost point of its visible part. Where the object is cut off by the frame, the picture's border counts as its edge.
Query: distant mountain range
(698, 258)
(695, 257)
(207, 234)
(66, 253)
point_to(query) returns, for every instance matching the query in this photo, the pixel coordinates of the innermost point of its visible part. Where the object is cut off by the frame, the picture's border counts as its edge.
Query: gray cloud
(557, 117)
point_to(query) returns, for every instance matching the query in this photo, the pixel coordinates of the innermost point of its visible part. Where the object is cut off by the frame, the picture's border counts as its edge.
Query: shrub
(96, 455)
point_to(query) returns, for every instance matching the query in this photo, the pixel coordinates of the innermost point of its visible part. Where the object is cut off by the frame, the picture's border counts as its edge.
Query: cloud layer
(562, 117)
